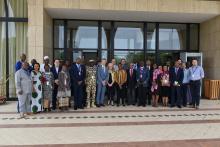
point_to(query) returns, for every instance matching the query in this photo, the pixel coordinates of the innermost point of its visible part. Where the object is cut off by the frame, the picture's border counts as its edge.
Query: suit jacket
(55, 75)
(176, 77)
(145, 76)
(131, 80)
(121, 77)
(23, 81)
(102, 75)
(78, 74)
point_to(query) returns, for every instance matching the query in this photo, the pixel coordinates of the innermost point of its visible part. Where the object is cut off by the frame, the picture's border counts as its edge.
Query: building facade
(158, 30)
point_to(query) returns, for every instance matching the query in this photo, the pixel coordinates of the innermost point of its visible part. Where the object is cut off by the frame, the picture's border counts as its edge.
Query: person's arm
(202, 74)
(181, 77)
(99, 75)
(18, 83)
(17, 66)
(125, 82)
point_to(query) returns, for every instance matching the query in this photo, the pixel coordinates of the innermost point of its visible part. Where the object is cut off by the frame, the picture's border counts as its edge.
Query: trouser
(149, 95)
(100, 94)
(54, 99)
(24, 101)
(142, 91)
(78, 95)
(195, 92)
(176, 98)
(91, 93)
(121, 94)
(111, 93)
(136, 95)
(18, 107)
(184, 93)
(131, 95)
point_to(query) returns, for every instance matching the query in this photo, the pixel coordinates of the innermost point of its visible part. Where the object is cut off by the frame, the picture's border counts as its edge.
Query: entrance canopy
(129, 15)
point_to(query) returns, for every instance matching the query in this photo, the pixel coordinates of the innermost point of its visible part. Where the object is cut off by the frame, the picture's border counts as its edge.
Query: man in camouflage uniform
(91, 83)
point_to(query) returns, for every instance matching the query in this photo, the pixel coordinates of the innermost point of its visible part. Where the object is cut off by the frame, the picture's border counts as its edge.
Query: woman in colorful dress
(165, 86)
(36, 99)
(64, 91)
(155, 84)
(47, 88)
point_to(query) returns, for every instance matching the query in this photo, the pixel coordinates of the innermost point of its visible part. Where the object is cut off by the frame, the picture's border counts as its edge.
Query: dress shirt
(196, 73)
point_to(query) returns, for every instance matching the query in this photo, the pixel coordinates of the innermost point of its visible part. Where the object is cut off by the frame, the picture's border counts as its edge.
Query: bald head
(23, 57)
(25, 65)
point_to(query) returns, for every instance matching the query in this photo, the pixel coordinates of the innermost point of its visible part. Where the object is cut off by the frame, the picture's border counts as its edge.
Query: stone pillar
(210, 47)
(35, 30)
(48, 36)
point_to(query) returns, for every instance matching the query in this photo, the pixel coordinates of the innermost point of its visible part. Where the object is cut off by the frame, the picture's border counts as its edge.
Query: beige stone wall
(210, 46)
(35, 30)
(48, 35)
(181, 6)
(39, 31)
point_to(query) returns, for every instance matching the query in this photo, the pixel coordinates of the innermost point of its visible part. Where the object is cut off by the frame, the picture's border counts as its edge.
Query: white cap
(46, 57)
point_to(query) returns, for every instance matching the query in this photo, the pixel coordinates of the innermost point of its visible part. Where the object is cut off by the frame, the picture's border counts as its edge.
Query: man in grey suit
(102, 78)
(23, 82)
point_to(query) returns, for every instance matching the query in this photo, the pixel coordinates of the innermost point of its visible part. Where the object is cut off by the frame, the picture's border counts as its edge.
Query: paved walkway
(114, 126)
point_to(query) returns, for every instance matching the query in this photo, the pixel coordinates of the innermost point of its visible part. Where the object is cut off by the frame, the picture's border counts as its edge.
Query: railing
(212, 89)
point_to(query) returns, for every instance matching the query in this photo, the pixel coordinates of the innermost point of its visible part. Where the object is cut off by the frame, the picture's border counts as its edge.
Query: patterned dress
(48, 86)
(36, 99)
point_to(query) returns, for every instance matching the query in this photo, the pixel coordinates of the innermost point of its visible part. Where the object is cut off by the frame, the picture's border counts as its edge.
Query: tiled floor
(113, 126)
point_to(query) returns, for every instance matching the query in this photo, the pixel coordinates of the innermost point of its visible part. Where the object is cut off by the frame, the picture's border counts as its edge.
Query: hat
(46, 57)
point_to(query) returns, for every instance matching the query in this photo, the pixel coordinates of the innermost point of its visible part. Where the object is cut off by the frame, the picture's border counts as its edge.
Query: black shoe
(118, 105)
(75, 108)
(98, 105)
(102, 105)
(172, 106)
(179, 106)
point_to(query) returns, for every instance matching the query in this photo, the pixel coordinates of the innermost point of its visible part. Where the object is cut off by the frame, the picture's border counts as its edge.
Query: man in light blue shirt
(196, 74)
(185, 85)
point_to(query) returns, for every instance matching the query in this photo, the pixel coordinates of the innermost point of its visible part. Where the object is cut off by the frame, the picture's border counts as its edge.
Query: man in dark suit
(150, 68)
(131, 84)
(176, 80)
(142, 82)
(78, 76)
(55, 70)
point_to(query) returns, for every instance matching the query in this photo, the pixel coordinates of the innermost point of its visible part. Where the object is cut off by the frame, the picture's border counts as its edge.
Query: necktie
(131, 72)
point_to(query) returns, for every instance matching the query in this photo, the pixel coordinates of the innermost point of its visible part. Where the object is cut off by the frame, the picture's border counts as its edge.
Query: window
(59, 54)
(194, 36)
(2, 8)
(106, 35)
(167, 58)
(151, 55)
(17, 8)
(17, 37)
(59, 34)
(151, 36)
(15, 43)
(2, 50)
(172, 36)
(130, 56)
(83, 34)
(128, 36)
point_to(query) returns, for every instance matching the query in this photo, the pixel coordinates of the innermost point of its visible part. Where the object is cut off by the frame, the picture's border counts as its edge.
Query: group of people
(42, 87)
